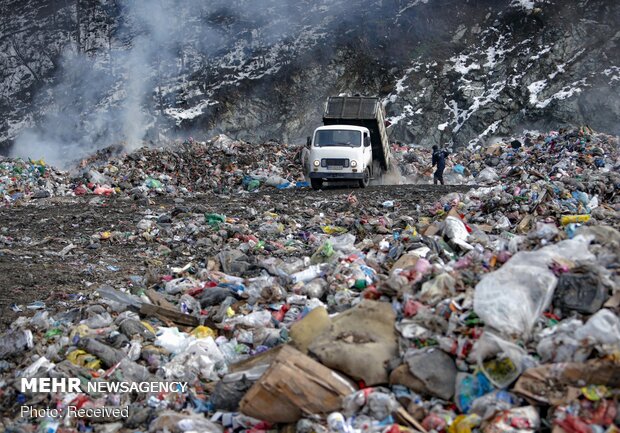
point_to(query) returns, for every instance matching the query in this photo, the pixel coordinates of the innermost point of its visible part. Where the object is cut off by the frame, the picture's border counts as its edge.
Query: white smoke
(103, 99)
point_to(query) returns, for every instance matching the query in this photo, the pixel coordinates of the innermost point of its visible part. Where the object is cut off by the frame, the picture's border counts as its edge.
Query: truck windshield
(338, 137)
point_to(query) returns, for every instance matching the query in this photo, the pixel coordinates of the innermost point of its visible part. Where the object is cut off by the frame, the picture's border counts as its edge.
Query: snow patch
(535, 88)
(613, 73)
(407, 113)
(523, 4)
(400, 86)
(565, 93)
(180, 114)
(461, 67)
(491, 129)
(461, 115)
(540, 53)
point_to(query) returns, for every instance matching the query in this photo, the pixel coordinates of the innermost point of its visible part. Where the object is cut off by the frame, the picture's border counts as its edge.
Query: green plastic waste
(53, 332)
(214, 219)
(323, 254)
(253, 185)
(360, 284)
(153, 183)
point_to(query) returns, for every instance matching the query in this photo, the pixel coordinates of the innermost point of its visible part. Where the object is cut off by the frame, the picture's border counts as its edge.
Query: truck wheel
(316, 183)
(366, 180)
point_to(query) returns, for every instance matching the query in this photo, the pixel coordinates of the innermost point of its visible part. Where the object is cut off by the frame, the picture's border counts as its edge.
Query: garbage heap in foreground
(494, 310)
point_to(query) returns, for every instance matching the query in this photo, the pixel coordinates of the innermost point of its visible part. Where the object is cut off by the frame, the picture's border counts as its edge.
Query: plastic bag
(214, 219)
(201, 358)
(437, 289)
(488, 175)
(123, 298)
(502, 362)
(172, 340)
(511, 299)
(558, 344)
(344, 243)
(469, 387)
(602, 329)
(255, 319)
(179, 285)
(489, 404)
(323, 254)
(455, 230)
(458, 168)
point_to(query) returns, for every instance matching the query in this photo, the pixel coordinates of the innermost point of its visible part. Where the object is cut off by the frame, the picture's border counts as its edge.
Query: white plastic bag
(602, 329)
(511, 299)
(490, 345)
(488, 175)
(256, 319)
(455, 230)
(437, 289)
(559, 344)
(200, 358)
(172, 340)
(179, 285)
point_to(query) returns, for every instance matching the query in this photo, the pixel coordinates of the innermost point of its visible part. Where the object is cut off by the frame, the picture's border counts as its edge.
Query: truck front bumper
(335, 175)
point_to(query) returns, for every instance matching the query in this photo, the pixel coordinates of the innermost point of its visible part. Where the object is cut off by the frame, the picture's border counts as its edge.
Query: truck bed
(361, 111)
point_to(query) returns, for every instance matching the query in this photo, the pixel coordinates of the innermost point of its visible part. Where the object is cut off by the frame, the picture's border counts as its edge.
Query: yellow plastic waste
(105, 236)
(204, 332)
(80, 331)
(148, 326)
(570, 219)
(595, 392)
(84, 359)
(411, 229)
(334, 230)
(464, 423)
(230, 312)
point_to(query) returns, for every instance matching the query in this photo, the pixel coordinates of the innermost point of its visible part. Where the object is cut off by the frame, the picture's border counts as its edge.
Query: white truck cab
(352, 144)
(340, 152)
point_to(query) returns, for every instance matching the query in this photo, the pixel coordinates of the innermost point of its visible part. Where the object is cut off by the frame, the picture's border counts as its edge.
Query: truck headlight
(317, 163)
(353, 164)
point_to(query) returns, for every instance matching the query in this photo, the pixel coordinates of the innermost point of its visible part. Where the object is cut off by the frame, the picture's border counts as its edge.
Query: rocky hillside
(77, 75)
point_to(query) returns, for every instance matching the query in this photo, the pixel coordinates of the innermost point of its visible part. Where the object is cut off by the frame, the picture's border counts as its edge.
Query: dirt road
(53, 249)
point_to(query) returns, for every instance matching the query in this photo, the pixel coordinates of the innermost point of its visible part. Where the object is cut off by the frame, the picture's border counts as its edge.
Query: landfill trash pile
(554, 155)
(492, 309)
(221, 164)
(30, 179)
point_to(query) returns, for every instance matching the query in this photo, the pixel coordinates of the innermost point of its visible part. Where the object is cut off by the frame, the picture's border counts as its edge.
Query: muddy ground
(33, 235)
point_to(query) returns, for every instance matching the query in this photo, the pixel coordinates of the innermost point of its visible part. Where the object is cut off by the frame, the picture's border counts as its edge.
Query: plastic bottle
(309, 274)
(108, 355)
(337, 423)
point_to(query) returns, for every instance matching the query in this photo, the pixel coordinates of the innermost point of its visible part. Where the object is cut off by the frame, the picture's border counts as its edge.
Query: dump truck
(352, 144)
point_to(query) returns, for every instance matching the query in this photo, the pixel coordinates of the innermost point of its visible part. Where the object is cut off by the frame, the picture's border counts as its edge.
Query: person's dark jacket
(439, 159)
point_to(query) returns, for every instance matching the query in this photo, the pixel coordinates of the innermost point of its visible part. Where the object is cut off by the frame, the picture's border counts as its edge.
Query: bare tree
(23, 59)
(78, 25)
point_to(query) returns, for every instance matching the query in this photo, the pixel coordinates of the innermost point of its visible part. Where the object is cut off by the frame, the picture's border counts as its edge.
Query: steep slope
(526, 66)
(80, 75)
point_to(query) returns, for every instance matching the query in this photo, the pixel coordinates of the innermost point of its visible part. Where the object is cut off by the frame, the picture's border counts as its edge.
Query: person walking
(439, 160)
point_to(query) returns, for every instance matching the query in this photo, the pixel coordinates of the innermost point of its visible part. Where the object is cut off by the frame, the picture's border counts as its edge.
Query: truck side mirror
(366, 141)
(308, 141)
